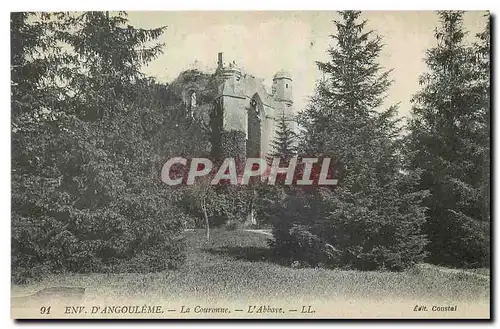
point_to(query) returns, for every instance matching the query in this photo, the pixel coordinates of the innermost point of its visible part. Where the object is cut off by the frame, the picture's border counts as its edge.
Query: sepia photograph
(250, 165)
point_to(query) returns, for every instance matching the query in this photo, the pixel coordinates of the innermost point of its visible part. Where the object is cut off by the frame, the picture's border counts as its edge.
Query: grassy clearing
(235, 265)
(480, 271)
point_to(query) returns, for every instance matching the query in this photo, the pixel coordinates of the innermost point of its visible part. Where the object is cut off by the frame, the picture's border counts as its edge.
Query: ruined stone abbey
(244, 107)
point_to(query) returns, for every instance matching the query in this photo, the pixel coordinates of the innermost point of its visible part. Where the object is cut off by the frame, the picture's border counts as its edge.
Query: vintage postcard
(250, 165)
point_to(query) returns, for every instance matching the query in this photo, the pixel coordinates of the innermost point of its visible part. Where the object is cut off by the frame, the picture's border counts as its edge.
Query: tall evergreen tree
(283, 147)
(449, 142)
(482, 49)
(371, 217)
(284, 144)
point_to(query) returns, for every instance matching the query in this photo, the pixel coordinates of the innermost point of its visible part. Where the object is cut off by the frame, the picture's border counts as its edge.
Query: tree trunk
(204, 208)
(251, 216)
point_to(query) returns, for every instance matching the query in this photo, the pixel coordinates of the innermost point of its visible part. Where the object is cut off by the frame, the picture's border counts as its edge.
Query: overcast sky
(264, 42)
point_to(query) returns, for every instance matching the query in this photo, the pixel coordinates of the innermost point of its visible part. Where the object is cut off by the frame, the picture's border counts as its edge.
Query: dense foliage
(449, 141)
(284, 144)
(86, 141)
(90, 133)
(371, 220)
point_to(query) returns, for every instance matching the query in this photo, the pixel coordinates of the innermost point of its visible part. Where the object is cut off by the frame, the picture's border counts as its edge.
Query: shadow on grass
(252, 254)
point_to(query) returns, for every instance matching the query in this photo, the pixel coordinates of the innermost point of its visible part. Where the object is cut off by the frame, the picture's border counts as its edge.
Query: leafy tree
(449, 142)
(370, 220)
(35, 104)
(89, 197)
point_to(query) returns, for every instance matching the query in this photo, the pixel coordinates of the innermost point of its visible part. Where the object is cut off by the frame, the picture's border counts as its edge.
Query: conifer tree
(449, 142)
(283, 147)
(370, 217)
(284, 144)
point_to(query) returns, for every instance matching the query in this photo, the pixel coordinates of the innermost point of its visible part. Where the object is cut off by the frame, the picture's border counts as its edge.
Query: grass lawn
(234, 266)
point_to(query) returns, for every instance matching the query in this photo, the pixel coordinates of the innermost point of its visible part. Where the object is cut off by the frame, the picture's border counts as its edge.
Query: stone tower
(282, 92)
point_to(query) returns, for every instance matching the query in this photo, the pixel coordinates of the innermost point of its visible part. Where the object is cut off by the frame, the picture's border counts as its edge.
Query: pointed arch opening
(254, 128)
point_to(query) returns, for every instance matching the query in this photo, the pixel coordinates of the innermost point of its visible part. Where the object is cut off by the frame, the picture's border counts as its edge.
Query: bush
(368, 232)
(143, 233)
(232, 226)
(304, 248)
(459, 241)
(292, 213)
(226, 205)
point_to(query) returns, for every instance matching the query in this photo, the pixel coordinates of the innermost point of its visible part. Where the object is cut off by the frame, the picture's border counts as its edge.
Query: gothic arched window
(192, 100)
(253, 141)
(192, 103)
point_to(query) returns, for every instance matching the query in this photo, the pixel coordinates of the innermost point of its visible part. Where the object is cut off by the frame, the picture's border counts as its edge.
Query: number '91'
(44, 310)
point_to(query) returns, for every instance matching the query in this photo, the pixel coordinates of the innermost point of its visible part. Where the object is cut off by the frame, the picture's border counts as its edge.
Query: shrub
(459, 241)
(304, 248)
(226, 205)
(369, 232)
(232, 226)
(142, 234)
